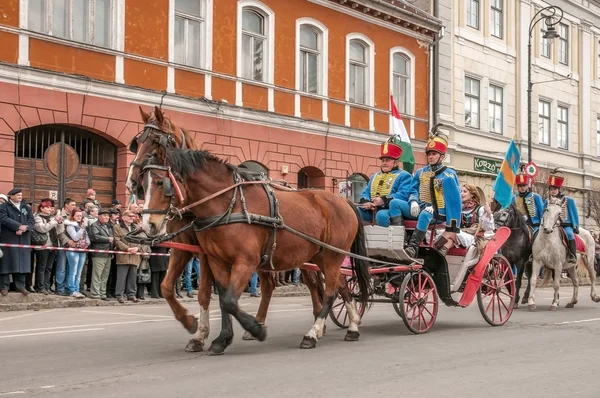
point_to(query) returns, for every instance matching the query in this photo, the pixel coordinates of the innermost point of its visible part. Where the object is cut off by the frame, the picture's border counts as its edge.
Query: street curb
(35, 302)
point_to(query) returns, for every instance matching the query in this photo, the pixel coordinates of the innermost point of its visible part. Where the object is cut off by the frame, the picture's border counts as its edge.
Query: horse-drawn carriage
(414, 285)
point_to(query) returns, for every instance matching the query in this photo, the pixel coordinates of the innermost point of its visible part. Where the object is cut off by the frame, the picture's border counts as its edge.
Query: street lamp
(551, 33)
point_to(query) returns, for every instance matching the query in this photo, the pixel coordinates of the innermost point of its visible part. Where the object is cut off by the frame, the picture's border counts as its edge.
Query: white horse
(549, 251)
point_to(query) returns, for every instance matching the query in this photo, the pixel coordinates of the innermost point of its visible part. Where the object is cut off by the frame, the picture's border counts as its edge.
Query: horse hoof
(524, 301)
(352, 335)
(216, 349)
(596, 299)
(570, 305)
(553, 308)
(515, 305)
(194, 346)
(308, 342)
(260, 333)
(247, 336)
(531, 307)
(194, 327)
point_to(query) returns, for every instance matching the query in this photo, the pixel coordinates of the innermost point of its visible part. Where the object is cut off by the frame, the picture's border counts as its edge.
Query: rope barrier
(76, 249)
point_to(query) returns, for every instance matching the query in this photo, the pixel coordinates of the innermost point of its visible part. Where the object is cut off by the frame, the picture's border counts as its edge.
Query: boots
(439, 245)
(572, 256)
(412, 249)
(396, 221)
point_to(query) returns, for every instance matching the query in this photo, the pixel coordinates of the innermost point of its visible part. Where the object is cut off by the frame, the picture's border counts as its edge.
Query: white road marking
(580, 321)
(11, 393)
(54, 332)
(22, 316)
(129, 314)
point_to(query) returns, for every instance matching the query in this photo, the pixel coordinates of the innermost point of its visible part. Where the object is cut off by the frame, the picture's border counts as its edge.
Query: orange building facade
(297, 88)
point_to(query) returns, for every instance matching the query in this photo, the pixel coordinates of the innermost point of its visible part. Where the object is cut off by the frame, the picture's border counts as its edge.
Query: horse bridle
(170, 188)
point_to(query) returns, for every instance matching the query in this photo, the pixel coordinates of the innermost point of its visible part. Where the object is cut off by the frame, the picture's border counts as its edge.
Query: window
(358, 72)
(310, 58)
(562, 132)
(563, 44)
(495, 109)
(497, 18)
(598, 136)
(254, 43)
(544, 122)
(473, 13)
(471, 102)
(545, 49)
(598, 60)
(357, 184)
(85, 21)
(400, 82)
(189, 27)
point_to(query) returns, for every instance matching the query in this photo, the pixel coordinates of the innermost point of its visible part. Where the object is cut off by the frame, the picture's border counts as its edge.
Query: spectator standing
(16, 222)
(112, 275)
(194, 265)
(45, 224)
(158, 269)
(65, 241)
(101, 238)
(76, 230)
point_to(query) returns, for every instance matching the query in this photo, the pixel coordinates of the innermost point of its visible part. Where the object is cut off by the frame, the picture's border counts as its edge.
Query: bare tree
(593, 202)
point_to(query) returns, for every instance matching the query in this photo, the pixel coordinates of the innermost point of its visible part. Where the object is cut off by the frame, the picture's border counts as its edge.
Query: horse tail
(361, 267)
(547, 276)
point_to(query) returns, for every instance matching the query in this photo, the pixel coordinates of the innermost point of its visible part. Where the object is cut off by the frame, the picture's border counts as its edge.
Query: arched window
(401, 82)
(253, 45)
(358, 72)
(310, 59)
(358, 182)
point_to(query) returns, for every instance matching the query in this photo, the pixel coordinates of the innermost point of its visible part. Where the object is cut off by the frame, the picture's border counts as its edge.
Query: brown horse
(160, 131)
(241, 226)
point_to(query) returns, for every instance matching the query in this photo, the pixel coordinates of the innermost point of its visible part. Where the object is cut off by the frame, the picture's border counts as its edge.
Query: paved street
(139, 351)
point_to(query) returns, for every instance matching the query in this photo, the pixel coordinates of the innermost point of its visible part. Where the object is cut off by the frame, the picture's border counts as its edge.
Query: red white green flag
(402, 139)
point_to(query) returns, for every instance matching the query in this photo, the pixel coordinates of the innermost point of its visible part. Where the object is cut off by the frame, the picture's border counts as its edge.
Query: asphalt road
(138, 351)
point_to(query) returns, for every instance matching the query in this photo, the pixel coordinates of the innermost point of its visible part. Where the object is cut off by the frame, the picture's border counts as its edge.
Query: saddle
(578, 241)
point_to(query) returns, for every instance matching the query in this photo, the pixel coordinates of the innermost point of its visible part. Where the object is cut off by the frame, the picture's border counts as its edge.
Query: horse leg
(353, 315)
(196, 343)
(528, 272)
(589, 265)
(314, 282)
(177, 263)
(267, 286)
(575, 279)
(556, 285)
(225, 338)
(518, 285)
(535, 270)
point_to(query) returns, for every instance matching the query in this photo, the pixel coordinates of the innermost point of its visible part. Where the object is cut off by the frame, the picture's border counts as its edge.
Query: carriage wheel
(496, 295)
(418, 302)
(338, 313)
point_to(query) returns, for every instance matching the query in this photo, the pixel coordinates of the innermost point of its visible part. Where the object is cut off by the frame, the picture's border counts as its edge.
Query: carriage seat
(412, 224)
(458, 251)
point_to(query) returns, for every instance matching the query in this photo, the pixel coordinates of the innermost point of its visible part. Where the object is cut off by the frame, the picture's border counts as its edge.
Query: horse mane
(186, 162)
(171, 128)
(518, 217)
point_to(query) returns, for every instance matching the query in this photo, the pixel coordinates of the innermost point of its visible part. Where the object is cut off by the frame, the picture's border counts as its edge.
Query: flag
(407, 158)
(505, 181)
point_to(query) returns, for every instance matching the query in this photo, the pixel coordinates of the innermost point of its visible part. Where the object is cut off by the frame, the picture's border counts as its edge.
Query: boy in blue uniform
(569, 214)
(435, 197)
(530, 204)
(388, 189)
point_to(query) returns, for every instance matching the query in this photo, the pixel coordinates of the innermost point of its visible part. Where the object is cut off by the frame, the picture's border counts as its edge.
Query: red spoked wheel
(418, 302)
(496, 295)
(338, 313)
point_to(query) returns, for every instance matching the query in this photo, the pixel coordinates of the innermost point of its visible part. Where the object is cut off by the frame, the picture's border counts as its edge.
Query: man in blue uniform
(388, 190)
(435, 197)
(530, 204)
(569, 214)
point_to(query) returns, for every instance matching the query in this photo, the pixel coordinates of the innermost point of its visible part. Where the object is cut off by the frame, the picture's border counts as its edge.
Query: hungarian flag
(401, 138)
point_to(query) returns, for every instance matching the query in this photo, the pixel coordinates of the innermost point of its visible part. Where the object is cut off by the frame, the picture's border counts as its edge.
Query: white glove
(414, 209)
(429, 209)
(525, 218)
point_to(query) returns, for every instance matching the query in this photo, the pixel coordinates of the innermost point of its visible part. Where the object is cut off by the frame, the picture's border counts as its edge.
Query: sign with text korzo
(483, 165)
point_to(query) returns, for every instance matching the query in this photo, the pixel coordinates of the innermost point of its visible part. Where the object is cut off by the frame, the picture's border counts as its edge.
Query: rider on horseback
(435, 197)
(530, 204)
(388, 189)
(569, 218)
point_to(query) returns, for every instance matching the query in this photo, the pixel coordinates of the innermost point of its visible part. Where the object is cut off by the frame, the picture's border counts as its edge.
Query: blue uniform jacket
(400, 188)
(445, 197)
(570, 215)
(534, 207)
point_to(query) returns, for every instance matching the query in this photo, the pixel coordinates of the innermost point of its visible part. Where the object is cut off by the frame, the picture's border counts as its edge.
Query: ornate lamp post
(551, 20)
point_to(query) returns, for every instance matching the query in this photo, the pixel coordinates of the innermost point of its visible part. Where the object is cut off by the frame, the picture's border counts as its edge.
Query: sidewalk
(18, 302)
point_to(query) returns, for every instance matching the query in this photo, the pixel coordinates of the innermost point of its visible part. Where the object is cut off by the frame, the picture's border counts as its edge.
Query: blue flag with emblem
(505, 181)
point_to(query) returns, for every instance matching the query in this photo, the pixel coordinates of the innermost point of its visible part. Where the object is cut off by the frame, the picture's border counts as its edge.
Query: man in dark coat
(16, 221)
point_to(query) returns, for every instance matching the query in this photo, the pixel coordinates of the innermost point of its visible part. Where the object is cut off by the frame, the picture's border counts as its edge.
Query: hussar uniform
(569, 216)
(392, 187)
(436, 190)
(530, 204)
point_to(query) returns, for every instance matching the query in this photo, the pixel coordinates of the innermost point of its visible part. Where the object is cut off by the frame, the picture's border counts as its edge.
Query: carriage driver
(387, 190)
(530, 204)
(435, 197)
(569, 217)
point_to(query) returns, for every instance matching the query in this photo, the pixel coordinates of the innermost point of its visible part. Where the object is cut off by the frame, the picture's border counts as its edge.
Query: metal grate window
(92, 149)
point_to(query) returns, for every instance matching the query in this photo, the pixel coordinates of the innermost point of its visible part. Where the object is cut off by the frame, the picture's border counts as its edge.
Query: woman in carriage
(477, 218)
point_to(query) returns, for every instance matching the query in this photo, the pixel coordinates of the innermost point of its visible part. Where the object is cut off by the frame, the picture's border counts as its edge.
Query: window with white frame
(598, 136)
(562, 128)
(85, 21)
(401, 82)
(473, 13)
(545, 49)
(598, 60)
(497, 18)
(563, 44)
(544, 122)
(189, 28)
(471, 102)
(254, 44)
(310, 58)
(495, 109)
(357, 74)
